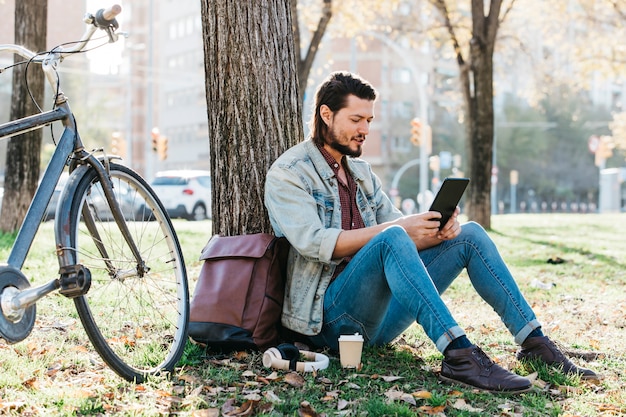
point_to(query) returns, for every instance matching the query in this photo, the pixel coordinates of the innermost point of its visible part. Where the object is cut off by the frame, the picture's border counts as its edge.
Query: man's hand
(424, 230)
(452, 229)
(421, 226)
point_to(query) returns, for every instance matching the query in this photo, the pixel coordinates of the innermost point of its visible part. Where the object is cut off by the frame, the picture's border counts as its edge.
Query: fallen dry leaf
(272, 397)
(422, 394)
(246, 409)
(241, 355)
(253, 396)
(31, 383)
(461, 404)
(191, 379)
(12, 405)
(162, 393)
(306, 410)
(393, 395)
(324, 380)
(207, 412)
(273, 376)
(594, 344)
(53, 369)
(391, 378)
(228, 406)
(295, 379)
(427, 409)
(341, 404)
(80, 348)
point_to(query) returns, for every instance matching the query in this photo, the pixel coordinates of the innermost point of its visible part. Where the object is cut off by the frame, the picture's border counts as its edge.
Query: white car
(184, 193)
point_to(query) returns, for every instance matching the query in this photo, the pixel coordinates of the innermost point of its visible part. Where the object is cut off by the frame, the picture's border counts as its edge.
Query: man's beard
(344, 149)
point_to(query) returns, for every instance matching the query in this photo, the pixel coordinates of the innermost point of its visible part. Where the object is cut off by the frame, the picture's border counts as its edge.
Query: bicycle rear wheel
(135, 314)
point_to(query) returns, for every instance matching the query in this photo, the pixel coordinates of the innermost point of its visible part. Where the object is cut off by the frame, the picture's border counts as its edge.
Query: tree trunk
(252, 104)
(476, 75)
(24, 151)
(479, 101)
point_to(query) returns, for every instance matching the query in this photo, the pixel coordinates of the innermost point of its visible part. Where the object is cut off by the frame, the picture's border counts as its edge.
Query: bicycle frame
(73, 280)
(134, 308)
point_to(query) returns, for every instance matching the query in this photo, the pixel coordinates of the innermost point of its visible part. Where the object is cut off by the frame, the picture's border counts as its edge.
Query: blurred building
(162, 74)
(156, 80)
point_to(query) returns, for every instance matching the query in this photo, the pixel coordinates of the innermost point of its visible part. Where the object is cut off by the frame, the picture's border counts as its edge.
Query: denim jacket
(302, 198)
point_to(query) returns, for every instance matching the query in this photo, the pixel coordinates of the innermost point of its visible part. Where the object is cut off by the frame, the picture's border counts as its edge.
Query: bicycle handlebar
(103, 19)
(109, 14)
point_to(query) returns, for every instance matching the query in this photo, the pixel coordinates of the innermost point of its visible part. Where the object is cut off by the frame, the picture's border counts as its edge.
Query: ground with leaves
(570, 267)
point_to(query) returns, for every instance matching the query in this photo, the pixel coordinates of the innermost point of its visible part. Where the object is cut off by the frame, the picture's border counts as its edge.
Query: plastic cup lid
(351, 338)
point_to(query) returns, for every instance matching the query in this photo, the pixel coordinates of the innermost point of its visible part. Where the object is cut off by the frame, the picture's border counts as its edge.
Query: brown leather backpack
(238, 298)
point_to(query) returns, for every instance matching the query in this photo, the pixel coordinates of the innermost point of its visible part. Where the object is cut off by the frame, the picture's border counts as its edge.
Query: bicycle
(119, 256)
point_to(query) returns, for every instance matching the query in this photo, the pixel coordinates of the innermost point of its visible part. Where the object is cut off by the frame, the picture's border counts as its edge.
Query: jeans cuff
(445, 339)
(521, 336)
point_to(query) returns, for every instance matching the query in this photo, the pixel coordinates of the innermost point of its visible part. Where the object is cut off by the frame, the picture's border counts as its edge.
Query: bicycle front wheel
(135, 313)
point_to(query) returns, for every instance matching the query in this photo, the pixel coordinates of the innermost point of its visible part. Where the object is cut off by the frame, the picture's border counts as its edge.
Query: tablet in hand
(448, 197)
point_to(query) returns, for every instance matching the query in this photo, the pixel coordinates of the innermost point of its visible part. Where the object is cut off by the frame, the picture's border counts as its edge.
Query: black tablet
(448, 198)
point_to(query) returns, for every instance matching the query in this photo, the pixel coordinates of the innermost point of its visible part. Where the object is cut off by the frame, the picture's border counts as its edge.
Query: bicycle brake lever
(112, 35)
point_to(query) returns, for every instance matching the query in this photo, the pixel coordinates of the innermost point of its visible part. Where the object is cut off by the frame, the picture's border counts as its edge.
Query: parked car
(184, 193)
(126, 196)
(127, 199)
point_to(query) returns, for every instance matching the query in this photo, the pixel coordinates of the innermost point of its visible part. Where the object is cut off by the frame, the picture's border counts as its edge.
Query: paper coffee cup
(350, 348)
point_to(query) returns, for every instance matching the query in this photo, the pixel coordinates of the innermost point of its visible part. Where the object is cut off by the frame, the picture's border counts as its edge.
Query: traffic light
(162, 148)
(416, 131)
(155, 138)
(605, 150)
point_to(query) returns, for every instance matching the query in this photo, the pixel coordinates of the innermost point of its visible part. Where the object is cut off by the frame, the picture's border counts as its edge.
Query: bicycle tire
(137, 324)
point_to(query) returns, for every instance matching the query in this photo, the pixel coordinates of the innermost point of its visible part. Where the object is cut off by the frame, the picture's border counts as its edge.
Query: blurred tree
(312, 18)
(22, 168)
(474, 43)
(254, 112)
(306, 62)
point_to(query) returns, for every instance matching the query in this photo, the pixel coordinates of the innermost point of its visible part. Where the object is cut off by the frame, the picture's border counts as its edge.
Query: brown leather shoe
(543, 349)
(472, 367)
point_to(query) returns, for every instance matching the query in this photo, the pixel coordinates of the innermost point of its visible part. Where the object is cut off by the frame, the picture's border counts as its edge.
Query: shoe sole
(464, 384)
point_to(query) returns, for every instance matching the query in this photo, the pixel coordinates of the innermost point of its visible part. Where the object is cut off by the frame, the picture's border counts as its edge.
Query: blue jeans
(388, 285)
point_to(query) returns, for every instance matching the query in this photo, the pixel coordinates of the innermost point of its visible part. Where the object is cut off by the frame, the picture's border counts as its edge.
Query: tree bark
(24, 151)
(253, 106)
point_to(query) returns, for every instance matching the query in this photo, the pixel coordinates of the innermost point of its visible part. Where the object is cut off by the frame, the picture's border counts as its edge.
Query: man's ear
(326, 113)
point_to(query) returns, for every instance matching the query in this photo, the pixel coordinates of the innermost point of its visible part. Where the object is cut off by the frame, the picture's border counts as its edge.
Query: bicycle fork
(74, 285)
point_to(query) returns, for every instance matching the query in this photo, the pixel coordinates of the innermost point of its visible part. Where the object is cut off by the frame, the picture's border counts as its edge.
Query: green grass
(56, 372)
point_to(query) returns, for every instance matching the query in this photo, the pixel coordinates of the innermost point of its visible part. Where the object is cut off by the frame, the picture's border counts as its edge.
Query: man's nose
(363, 128)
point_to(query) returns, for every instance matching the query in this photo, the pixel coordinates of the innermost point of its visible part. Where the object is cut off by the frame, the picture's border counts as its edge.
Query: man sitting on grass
(358, 265)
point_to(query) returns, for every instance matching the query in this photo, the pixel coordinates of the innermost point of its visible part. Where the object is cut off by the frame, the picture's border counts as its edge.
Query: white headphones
(286, 357)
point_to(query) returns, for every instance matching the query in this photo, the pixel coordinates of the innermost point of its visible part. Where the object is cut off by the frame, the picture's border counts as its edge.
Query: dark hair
(334, 92)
